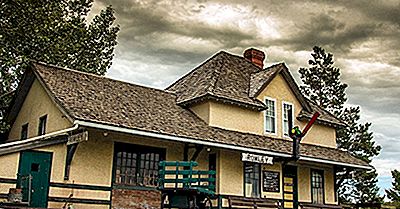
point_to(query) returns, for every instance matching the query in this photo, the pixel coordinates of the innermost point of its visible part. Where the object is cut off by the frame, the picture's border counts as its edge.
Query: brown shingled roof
(98, 99)
(233, 79)
(223, 76)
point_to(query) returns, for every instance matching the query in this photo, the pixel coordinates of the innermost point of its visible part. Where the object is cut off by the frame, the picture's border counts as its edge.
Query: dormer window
(287, 109)
(270, 116)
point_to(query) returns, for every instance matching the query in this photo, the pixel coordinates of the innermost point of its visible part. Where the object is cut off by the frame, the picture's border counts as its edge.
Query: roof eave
(209, 97)
(322, 122)
(18, 99)
(52, 97)
(110, 127)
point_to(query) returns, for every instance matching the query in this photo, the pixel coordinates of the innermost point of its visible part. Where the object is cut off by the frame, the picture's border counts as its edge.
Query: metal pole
(30, 188)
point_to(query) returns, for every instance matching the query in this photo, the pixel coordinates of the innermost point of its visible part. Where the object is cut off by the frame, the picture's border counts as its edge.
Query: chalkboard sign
(271, 181)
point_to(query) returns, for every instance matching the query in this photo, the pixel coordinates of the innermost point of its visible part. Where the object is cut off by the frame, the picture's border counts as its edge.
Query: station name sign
(79, 137)
(248, 157)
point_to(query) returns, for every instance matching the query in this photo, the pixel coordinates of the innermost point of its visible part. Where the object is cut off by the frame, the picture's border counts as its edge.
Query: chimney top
(255, 56)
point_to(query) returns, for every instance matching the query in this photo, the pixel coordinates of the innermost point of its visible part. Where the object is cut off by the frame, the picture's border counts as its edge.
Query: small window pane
(270, 116)
(24, 131)
(42, 125)
(127, 161)
(317, 187)
(252, 179)
(287, 109)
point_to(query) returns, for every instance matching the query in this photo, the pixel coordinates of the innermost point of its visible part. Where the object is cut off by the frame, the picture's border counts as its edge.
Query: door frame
(50, 168)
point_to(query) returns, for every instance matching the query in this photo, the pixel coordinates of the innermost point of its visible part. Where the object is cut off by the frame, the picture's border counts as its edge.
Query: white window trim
(276, 117)
(283, 117)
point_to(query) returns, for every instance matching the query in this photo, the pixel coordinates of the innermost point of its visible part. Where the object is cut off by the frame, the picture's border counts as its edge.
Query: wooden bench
(236, 202)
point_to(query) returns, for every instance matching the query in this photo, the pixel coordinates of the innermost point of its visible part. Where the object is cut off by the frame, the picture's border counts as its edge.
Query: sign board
(247, 157)
(79, 137)
(271, 181)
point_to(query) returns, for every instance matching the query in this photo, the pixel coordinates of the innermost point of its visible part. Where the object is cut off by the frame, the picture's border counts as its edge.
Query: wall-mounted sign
(79, 137)
(257, 158)
(271, 181)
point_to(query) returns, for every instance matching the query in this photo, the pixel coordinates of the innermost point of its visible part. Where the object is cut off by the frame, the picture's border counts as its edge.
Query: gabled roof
(224, 76)
(96, 99)
(19, 96)
(233, 79)
(260, 80)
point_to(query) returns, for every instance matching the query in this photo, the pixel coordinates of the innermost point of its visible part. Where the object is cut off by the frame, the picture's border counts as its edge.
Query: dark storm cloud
(377, 10)
(327, 31)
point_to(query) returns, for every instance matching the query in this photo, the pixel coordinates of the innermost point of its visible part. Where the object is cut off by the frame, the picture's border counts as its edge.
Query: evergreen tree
(52, 31)
(322, 85)
(394, 193)
(322, 81)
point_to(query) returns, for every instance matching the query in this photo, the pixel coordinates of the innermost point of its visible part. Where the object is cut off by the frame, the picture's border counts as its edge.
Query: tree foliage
(322, 85)
(52, 31)
(322, 81)
(394, 193)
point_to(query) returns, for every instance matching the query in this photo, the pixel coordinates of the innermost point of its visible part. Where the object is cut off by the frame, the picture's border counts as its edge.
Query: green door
(34, 177)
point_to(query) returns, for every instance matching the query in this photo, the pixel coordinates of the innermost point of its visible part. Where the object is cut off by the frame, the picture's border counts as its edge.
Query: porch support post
(70, 154)
(186, 153)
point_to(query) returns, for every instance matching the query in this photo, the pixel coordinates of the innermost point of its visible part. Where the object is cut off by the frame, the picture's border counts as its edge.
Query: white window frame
(275, 117)
(283, 117)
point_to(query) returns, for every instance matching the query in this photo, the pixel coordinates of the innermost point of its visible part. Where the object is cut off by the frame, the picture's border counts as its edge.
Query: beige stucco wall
(320, 135)
(202, 110)
(235, 118)
(240, 119)
(37, 104)
(230, 173)
(8, 170)
(329, 178)
(9, 165)
(280, 90)
(304, 182)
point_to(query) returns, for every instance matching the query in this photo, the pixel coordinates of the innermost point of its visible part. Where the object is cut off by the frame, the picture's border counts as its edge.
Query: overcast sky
(160, 41)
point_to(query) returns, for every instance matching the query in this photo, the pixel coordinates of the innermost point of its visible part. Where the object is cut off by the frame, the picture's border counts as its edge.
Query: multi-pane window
(287, 110)
(42, 125)
(137, 165)
(317, 186)
(270, 116)
(252, 179)
(24, 131)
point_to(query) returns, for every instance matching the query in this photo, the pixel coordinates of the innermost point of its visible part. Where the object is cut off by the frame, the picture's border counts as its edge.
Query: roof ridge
(194, 69)
(213, 84)
(99, 76)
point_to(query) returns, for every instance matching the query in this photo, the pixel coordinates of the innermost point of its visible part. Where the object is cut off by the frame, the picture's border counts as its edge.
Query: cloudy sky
(161, 40)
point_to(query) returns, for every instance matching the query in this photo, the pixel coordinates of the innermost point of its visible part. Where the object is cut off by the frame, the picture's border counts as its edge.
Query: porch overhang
(57, 137)
(210, 143)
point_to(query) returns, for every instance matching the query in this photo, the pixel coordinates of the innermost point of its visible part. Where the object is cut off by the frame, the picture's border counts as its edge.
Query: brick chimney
(255, 56)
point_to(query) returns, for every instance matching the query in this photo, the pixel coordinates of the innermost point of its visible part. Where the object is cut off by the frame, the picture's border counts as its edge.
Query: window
(42, 125)
(270, 116)
(317, 186)
(287, 109)
(24, 131)
(252, 179)
(137, 165)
